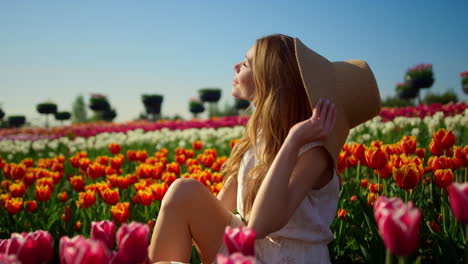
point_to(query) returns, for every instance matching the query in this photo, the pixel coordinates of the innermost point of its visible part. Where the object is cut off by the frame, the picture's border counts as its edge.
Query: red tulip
(398, 225)
(376, 158)
(435, 149)
(443, 178)
(114, 148)
(358, 151)
(120, 211)
(197, 145)
(78, 183)
(458, 196)
(132, 240)
(104, 231)
(87, 198)
(80, 250)
(342, 214)
(461, 156)
(17, 189)
(408, 176)
(110, 196)
(14, 205)
(239, 239)
(236, 258)
(408, 144)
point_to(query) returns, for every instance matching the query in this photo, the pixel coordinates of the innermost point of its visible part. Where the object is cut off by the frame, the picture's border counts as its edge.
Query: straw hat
(350, 85)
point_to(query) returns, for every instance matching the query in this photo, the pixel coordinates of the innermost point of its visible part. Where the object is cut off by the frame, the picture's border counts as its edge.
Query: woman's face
(243, 84)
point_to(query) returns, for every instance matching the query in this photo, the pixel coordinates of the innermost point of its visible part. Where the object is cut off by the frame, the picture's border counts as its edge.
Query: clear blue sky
(56, 50)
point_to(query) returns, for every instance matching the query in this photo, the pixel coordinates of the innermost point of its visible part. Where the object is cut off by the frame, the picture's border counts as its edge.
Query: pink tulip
(35, 247)
(239, 239)
(398, 225)
(8, 259)
(236, 258)
(458, 196)
(80, 250)
(3, 245)
(132, 240)
(104, 231)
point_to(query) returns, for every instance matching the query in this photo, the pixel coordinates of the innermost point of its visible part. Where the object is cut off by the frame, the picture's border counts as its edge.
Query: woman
(281, 176)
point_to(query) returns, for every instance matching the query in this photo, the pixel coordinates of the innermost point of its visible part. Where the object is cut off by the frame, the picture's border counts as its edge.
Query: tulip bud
(458, 197)
(104, 231)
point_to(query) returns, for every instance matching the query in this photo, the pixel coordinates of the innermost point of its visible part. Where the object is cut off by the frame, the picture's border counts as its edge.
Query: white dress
(305, 237)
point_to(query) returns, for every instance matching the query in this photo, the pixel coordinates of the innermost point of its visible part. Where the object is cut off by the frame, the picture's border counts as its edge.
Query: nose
(236, 67)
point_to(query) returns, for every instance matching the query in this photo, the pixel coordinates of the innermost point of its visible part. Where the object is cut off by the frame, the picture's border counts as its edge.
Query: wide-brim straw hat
(350, 85)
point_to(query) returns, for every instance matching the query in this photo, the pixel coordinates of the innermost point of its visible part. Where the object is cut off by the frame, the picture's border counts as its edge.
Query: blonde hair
(280, 102)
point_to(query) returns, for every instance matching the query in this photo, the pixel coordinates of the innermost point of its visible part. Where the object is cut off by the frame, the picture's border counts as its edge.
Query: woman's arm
(228, 194)
(289, 179)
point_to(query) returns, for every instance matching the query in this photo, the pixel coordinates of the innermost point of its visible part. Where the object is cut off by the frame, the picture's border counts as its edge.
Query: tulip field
(91, 193)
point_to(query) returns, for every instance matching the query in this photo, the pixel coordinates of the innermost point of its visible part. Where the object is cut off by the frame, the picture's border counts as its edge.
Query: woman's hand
(316, 128)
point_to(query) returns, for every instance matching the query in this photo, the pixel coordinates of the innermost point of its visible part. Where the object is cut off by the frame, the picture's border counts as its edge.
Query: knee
(181, 192)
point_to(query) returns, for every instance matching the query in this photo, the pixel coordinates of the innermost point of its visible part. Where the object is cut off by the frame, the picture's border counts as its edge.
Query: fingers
(316, 111)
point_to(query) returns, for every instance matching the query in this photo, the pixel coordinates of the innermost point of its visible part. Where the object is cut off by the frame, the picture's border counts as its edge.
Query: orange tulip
(141, 185)
(159, 190)
(189, 153)
(17, 189)
(173, 167)
(168, 177)
(375, 188)
(87, 198)
(113, 179)
(144, 171)
(62, 196)
(144, 197)
(371, 197)
(132, 155)
(179, 151)
(364, 183)
(197, 145)
(120, 211)
(141, 155)
(114, 148)
(6, 184)
(42, 193)
(14, 205)
(385, 172)
(376, 158)
(443, 178)
(408, 176)
(210, 151)
(206, 160)
(3, 198)
(376, 143)
(110, 196)
(77, 183)
(342, 214)
(29, 178)
(78, 225)
(233, 142)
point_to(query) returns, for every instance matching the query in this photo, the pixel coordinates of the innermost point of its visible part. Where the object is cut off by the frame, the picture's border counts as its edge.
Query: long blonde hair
(280, 102)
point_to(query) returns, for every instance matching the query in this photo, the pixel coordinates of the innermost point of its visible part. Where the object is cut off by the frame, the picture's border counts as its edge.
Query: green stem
(466, 244)
(466, 173)
(388, 257)
(401, 260)
(406, 196)
(341, 227)
(358, 172)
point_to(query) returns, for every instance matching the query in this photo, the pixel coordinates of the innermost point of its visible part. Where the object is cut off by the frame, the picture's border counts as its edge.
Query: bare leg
(189, 210)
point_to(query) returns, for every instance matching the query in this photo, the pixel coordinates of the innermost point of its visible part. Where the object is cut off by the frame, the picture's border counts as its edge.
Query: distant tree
(241, 104)
(443, 98)
(211, 96)
(101, 106)
(108, 115)
(152, 104)
(196, 106)
(62, 116)
(2, 114)
(46, 109)
(79, 110)
(396, 102)
(16, 120)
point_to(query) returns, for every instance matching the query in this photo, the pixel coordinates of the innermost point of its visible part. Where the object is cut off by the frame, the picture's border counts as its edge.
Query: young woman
(281, 176)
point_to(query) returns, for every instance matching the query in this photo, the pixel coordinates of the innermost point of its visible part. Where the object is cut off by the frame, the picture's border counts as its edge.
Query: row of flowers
(93, 129)
(389, 131)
